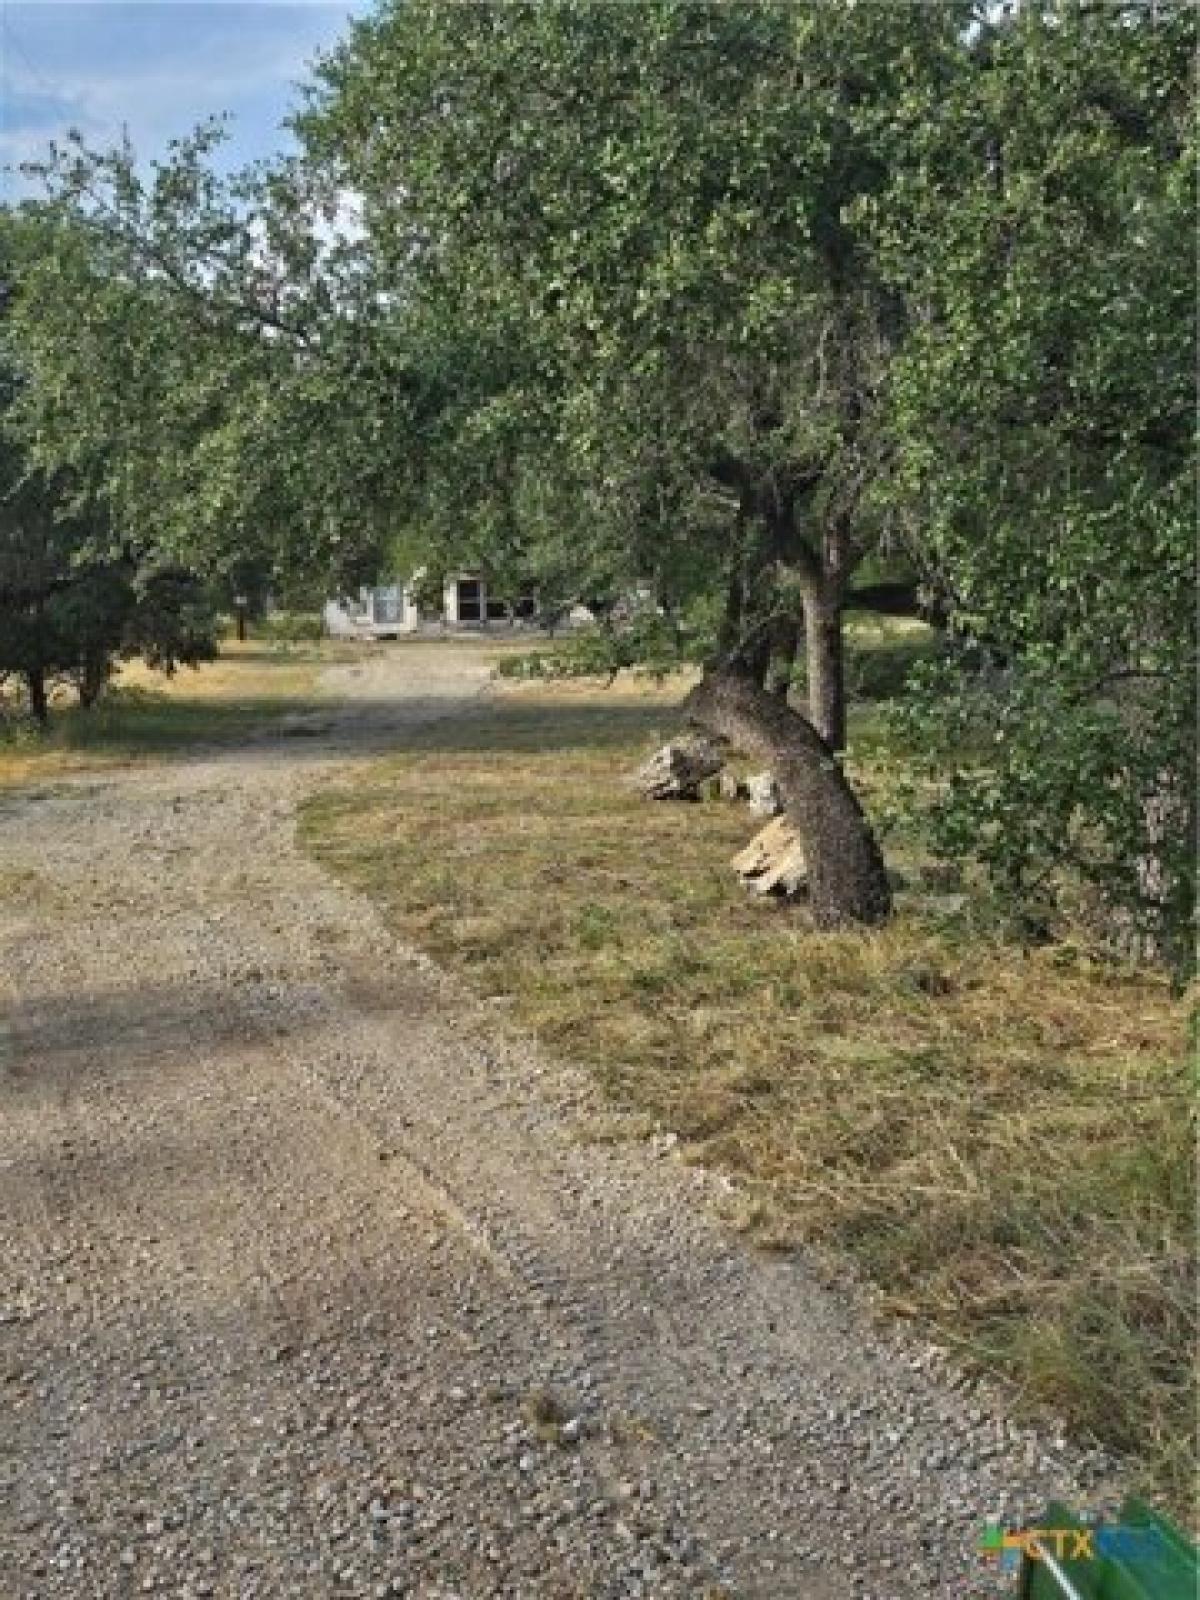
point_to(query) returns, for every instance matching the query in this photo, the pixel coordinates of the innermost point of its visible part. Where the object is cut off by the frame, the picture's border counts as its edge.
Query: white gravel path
(290, 1247)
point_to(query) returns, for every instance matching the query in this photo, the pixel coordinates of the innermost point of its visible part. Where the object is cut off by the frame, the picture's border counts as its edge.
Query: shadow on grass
(514, 726)
(138, 725)
(433, 727)
(164, 725)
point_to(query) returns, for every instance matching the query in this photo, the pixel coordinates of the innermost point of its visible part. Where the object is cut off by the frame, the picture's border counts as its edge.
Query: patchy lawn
(146, 714)
(998, 1136)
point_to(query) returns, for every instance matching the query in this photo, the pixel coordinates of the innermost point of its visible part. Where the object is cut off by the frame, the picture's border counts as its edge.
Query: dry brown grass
(999, 1137)
(149, 715)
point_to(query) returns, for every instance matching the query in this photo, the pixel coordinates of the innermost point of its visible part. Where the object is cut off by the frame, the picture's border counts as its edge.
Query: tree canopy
(626, 235)
(1044, 413)
(77, 592)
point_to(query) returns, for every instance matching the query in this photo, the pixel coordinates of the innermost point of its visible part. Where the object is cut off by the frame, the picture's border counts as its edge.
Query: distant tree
(33, 554)
(172, 622)
(69, 612)
(75, 597)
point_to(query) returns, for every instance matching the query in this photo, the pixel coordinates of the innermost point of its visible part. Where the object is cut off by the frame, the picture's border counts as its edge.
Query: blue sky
(158, 68)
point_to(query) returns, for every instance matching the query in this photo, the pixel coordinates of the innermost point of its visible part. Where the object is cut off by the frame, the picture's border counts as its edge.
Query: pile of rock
(693, 768)
(762, 792)
(679, 769)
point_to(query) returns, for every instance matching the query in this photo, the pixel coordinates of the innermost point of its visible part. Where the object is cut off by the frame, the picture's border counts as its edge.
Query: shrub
(292, 627)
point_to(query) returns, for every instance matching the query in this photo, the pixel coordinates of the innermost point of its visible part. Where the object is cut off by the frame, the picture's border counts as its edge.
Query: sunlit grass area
(998, 1136)
(146, 714)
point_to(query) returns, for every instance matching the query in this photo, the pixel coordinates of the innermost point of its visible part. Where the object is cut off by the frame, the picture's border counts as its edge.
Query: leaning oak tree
(629, 227)
(845, 871)
(626, 230)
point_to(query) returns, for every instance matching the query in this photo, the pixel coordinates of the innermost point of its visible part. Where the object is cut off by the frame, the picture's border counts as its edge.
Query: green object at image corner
(1148, 1558)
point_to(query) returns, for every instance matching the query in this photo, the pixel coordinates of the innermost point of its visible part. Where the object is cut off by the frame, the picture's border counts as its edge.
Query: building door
(470, 600)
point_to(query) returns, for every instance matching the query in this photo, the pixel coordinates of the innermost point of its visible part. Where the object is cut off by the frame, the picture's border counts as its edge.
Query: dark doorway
(470, 600)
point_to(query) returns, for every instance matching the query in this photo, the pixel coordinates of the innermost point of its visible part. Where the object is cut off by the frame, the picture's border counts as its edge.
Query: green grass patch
(999, 1137)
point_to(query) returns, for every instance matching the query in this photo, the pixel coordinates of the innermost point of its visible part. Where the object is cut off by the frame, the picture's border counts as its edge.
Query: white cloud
(155, 70)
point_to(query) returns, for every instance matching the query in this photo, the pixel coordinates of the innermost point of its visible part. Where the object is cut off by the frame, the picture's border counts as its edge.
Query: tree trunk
(39, 705)
(1159, 928)
(846, 876)
(826, 663)
(93, 676)
(785, 647)
(754, 657)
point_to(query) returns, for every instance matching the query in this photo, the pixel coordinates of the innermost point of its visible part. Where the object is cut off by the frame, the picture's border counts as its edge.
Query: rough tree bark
(825, 658)
(768, 655)
(785, 647)
(846, 876)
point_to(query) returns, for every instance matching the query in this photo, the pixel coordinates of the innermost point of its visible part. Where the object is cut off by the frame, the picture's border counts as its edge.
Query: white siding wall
(392, 608)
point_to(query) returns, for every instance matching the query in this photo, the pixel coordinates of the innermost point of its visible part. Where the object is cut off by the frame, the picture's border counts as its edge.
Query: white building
(388, 610)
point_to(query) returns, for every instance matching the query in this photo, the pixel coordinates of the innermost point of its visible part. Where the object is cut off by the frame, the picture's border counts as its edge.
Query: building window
(470, 600)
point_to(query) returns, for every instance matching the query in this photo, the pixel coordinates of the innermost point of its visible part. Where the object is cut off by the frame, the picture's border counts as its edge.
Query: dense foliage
(71, 607)
(196, 361)
(626, 236)
(1044, 413)
(78, 592)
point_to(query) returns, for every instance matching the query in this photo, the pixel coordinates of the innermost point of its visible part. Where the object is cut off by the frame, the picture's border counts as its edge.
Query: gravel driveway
(308, 1286)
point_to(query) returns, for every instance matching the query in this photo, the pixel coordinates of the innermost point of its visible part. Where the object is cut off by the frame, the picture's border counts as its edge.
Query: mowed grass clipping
(999, 1137)
(148, 715)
